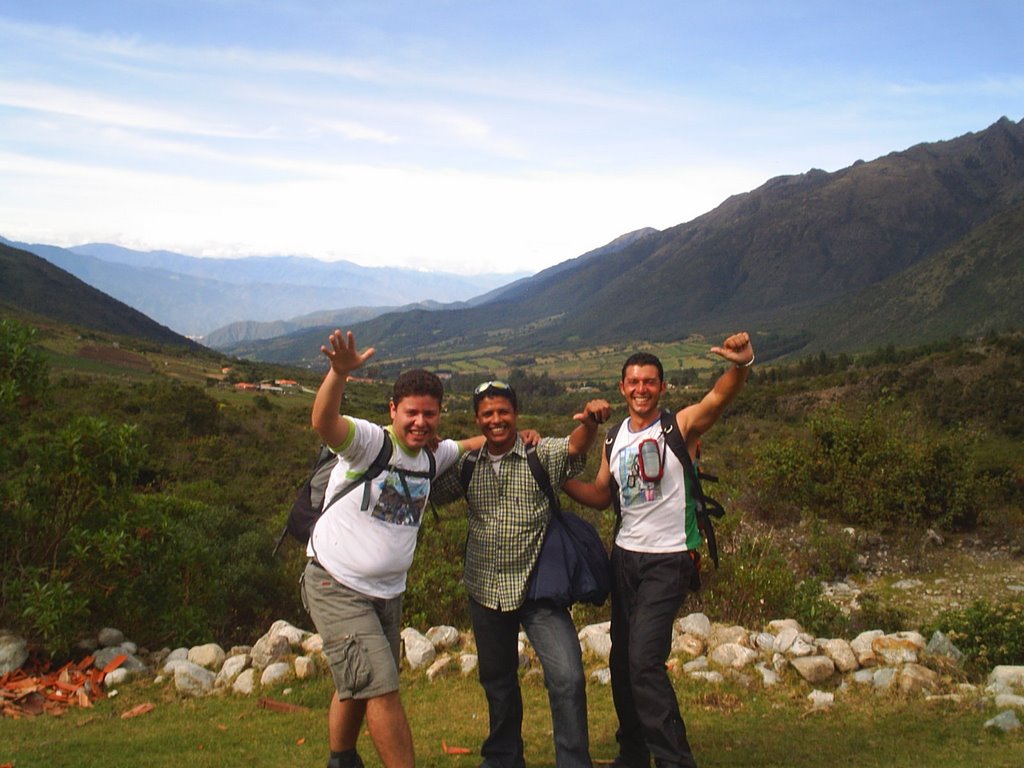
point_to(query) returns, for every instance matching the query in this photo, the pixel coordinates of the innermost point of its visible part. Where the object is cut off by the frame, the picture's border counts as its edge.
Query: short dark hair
(494, 389)
(643, 358)
(417, 382)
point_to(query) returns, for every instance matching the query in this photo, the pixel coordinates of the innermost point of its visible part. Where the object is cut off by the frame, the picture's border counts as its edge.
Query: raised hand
(736, 349)
(343, 354)
(596, 411)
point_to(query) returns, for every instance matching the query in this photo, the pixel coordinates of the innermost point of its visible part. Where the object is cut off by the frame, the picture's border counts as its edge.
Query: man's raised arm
(345, 358)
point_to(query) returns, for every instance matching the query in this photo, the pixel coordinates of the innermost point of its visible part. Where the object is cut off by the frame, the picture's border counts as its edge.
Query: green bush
(986, 633)
(875, 613)
(878, 470)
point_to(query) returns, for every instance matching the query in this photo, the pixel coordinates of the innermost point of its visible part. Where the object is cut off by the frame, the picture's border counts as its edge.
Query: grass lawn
(728, 726)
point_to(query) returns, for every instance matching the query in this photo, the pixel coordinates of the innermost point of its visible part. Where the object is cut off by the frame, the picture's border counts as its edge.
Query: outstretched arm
(597, 494)
(594, 413)
(696, 419)
(345, 358)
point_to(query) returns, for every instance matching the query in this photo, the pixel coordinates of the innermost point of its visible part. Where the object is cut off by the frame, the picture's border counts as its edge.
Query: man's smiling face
(496, 419)
(642, 387)
(415, 419)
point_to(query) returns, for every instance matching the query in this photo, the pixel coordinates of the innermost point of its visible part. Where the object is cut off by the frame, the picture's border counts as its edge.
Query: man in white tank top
(653, 557)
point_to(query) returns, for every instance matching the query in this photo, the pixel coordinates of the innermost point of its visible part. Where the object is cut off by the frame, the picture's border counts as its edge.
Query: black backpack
(706, 506)
(309, 500)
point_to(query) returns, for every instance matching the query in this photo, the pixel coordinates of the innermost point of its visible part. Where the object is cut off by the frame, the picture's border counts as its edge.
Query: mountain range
(914, 246)
(198, 296)
(910, 247)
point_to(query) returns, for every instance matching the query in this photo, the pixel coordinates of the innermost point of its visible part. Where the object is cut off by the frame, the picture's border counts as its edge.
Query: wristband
(747, 364)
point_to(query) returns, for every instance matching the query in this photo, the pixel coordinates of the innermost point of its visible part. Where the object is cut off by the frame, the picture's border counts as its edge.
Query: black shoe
(623, 762)
(349, 759)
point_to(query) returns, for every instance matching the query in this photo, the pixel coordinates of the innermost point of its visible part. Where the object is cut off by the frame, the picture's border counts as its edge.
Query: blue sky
(461, 136)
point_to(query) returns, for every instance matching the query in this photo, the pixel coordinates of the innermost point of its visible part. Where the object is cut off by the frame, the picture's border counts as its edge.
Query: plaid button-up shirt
(508, 515)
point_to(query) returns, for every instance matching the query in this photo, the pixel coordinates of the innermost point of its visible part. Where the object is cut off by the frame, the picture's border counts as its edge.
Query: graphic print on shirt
(402, 499)
(634, 489)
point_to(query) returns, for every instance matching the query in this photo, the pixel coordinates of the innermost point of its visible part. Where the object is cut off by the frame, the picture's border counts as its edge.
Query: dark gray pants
(647, 592)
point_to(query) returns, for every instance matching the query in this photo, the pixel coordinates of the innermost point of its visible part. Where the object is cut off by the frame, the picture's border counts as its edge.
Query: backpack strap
(542, 478)
(467, 469)
(613, 484)
(378, 465)
(540, 475)
(706, 507)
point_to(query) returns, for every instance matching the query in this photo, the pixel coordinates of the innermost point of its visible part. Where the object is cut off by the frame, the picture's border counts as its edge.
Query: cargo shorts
(361, 634)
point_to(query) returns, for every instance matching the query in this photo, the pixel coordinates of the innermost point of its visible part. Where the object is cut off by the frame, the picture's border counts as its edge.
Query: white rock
(602, 676)
(116, 677)
(171, 666)
(1010, 676)
(438, 668)
(306, 667)
(312, 644)
(821, 699)
(275, 673)
(841, 653)
(883, 677)
(245, 683)
(862, 645)
(695, 624)
(211, 656)
(270, 649)
(733, 655)
(814, 669)
(178, 654)
(722, 635)
(864, 676)
(769, 677)
(599, 644)
(1009, 700)
(712, 677)
(688, 644)
(1004, 721)
(778, 625)
(192, 680)
(764, 641)
(468, 663)
(785, 639)
(443, 637)
(13, 651)
(230, 669)
(801, 647)
(419, 651)
(895, 650)
(289, 632)
(700, 664)
(109, 637)
(914, 679)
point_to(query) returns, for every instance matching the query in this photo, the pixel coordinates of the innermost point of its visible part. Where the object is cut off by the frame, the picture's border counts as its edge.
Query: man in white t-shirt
(362, 546)
(655, 550)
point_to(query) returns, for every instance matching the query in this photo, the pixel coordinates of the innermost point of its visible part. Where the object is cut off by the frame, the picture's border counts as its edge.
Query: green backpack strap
(706, 506)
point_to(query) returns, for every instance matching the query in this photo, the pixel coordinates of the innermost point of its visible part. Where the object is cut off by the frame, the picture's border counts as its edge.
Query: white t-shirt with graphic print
(370, 549)
(653, 512)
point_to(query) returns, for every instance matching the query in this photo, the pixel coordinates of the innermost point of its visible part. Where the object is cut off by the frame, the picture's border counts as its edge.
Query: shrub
(987, 634)
(878, 470)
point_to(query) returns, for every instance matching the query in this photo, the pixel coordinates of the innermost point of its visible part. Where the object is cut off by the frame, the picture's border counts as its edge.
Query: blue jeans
(553, 636)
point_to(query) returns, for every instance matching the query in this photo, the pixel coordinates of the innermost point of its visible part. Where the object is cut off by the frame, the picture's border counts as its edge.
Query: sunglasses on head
(491, 385)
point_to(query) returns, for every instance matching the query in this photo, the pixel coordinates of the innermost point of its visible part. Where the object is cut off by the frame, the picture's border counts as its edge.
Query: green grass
(727, 726)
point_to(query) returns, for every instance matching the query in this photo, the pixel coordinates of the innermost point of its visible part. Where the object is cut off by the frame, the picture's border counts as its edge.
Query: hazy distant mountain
(33, 285)
(196, 296)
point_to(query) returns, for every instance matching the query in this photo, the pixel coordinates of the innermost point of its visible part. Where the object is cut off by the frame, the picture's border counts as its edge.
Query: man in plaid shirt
(508, 515)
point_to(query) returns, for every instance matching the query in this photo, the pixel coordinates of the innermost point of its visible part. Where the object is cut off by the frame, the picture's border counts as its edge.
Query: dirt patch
(115, 356)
